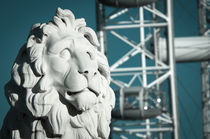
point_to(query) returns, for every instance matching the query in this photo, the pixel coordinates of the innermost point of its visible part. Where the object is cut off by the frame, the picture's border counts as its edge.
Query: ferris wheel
(143, 65)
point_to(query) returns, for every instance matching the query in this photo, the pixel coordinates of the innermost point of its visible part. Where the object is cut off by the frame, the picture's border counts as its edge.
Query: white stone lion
(60, 84)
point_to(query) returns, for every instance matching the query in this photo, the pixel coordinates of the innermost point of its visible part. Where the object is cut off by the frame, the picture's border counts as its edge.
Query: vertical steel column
(204, 72)
(143, 61)
(205, 98)
(202, 17)
(173, 86)
(142, 39)
(100, 22)
(156, 49)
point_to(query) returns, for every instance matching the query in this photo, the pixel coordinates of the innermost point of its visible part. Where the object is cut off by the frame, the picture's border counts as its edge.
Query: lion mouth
(83, 90)
(84, 99)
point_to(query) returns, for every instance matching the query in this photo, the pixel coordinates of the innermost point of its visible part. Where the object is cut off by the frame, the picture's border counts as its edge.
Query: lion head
(60, 82)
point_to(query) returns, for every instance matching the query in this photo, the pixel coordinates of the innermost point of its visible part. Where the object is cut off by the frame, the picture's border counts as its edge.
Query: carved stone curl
(60, 84)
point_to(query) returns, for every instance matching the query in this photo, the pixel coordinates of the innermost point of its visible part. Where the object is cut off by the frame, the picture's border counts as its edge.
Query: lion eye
(65, 54)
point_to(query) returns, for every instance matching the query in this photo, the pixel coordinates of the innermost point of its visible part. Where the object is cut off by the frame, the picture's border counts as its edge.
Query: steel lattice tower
(152, 72)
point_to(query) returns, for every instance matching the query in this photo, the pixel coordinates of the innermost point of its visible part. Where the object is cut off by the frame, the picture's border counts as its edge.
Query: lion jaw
(82, 100)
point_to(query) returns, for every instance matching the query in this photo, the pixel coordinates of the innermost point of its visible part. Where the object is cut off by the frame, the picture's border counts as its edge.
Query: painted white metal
(159, 79)
(101, 41)
(156, 12)
(161, 70)
(111, 17)
(173, 86)
(143, 130)
(136, 50)
(130, 69)
(187, 49)
(143, 61)
(142, 39)
(110, 27)
(164, 119)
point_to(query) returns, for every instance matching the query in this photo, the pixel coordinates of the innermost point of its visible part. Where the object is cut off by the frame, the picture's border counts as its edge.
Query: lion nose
(89, 74)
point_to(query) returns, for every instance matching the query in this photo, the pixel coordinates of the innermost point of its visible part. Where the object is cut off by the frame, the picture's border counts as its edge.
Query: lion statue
(59, 85)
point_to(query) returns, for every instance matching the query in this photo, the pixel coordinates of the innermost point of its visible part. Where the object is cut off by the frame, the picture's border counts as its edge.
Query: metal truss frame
(163, 71)
(204, 29)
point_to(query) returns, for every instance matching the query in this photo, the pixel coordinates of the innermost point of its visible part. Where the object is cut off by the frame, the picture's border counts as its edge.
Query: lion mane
(38, 109)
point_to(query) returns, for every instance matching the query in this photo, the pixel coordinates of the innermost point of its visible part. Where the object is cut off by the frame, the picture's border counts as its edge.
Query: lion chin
(59, 87)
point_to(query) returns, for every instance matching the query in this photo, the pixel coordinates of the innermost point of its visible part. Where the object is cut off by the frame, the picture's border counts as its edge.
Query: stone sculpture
(60, 84)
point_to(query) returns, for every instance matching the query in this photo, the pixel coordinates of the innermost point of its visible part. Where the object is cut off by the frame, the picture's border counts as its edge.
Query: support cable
(188, 119)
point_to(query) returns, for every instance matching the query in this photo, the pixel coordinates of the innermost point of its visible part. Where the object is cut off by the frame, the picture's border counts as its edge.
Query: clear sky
(17, 17)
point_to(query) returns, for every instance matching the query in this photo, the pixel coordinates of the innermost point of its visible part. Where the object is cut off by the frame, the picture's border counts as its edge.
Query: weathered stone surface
(60, 84)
